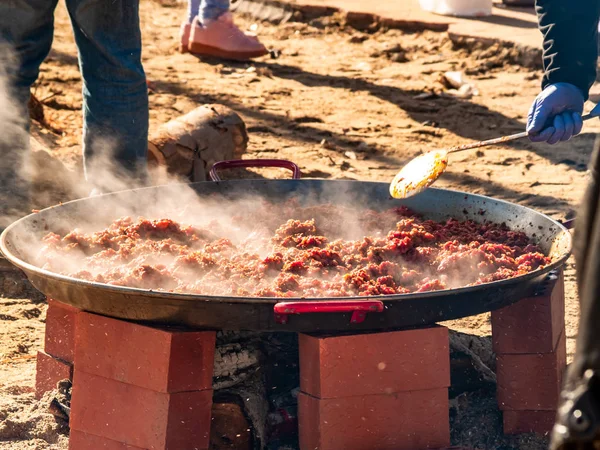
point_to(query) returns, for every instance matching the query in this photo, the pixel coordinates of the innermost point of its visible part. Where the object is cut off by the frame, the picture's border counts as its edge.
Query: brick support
(49, 371)
(532, 325)
(140, 417)
(136, 386)
(160, 360)
(530, 343)
(374, 363)
(401, 421)
(55, 363)
(60, 330)
(374, 390)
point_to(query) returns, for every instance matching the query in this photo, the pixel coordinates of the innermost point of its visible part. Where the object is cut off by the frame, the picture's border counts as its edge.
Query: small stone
(358, 39)
(398, 57)
(326, 144)
(22, 348)
(363, 67)
(395, 49)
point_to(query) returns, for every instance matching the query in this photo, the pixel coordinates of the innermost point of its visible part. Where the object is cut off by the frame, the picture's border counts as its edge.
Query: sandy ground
(341, 104)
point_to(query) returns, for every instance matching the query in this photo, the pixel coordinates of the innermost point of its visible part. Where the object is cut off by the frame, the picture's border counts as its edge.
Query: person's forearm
(570, 30)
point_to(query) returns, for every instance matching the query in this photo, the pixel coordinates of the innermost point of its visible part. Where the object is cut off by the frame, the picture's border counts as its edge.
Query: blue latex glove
(555, 115)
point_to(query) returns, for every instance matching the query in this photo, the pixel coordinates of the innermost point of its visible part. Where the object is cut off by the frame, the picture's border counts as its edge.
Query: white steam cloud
(14, 144)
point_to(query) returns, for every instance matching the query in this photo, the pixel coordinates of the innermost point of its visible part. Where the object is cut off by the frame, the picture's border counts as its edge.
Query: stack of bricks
(55, 362)
(134, 387)
(375, 390)
(137, 387)
(530, 344)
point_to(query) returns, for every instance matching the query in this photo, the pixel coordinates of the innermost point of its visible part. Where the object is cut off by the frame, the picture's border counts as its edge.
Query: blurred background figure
(209, 30)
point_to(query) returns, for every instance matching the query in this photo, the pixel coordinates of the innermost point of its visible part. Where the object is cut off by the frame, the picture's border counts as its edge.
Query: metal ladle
(422, 171)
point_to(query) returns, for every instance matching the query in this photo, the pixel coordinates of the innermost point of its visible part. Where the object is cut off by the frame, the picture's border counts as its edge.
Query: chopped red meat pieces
(293, 251)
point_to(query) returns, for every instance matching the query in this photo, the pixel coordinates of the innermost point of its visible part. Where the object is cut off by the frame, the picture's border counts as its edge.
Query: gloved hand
(555, 115)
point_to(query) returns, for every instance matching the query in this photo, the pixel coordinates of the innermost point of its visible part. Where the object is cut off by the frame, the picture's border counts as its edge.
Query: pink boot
(184, 34)
(223, 39)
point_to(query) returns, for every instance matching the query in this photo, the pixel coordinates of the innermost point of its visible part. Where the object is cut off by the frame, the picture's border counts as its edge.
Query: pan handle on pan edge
(254, 163)
(359, 309)
(546, 286)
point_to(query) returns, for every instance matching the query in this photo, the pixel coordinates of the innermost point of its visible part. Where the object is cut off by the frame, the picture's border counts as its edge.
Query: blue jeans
(115, 94)
(206, 10)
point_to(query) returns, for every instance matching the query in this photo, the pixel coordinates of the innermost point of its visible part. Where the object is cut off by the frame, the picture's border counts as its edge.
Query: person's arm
(570, 29)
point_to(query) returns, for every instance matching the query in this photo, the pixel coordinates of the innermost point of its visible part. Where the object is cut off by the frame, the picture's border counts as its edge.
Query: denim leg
(27, 26)
(193, 8)
(26, 30)
(212, 9)
(115, 94)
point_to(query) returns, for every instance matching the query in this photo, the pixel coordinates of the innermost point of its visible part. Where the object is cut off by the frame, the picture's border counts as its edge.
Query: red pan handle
(359, 309)
(254, 163)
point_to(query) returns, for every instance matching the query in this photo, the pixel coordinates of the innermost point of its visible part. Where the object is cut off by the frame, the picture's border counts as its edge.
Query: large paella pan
(19, 241)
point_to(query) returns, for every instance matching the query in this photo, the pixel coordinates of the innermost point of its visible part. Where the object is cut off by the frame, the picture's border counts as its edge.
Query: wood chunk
(189, 145)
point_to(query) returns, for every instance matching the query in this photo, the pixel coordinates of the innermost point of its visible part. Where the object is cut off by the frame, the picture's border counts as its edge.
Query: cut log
(230, 430)
(237, 357)
(189, 145)
(470, 361)
(239, 378)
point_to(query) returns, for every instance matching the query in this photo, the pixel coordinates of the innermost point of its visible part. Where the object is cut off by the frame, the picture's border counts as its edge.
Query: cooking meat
(296, 252)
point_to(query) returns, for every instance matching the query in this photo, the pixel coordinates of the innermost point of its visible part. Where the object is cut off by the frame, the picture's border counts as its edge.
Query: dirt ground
(342, 104)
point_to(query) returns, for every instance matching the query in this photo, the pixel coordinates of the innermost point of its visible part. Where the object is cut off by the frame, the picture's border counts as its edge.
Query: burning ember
(295, 252)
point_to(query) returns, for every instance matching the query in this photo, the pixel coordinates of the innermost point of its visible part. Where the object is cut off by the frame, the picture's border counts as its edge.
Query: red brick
(404, 421)
(531, 382)
(49, 371)
(517, 422)
(65, 306)
(138, 416)
(60, 330)
(83, 441)
(163, 361)
(532, 325)
(374, 363)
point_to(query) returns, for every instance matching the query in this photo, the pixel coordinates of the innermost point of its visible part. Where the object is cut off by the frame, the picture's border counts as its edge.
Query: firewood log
(189, 145)
(230, 430)
(238, 378)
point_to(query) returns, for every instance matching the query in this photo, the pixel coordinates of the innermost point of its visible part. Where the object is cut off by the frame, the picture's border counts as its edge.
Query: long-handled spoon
(422, 171)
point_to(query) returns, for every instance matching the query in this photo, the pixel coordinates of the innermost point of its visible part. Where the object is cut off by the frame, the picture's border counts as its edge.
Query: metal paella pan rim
(291, 189)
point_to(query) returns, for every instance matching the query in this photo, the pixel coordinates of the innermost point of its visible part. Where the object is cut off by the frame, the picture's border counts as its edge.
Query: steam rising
(35, 179)
(244, 217)
(14, 142)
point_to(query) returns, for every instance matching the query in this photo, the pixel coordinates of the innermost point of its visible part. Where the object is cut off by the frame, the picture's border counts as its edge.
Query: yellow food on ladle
(422, 171)
(419, 174)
